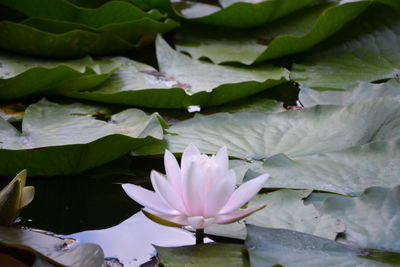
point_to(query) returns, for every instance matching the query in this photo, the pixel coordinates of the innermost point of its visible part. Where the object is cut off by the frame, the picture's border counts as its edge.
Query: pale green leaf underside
(372, 220)
(363, 91)
(349, 171)
(270, 247)
(251, 135)
(284, 209)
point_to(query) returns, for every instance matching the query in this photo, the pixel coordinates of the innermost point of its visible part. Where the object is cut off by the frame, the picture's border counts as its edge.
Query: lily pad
(62, 10)
(284, 209)
(231, 255)
(238, 14)
(67, 139)
(372, 220)
(349, 171)
(367, 50)
(205, 84)
(320, 129)
(23, 76)
(363, 91)
(301, 31)
(52, 249)
(279, 247)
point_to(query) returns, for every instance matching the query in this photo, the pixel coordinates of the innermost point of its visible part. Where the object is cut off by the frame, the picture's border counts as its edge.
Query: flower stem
(199, 236)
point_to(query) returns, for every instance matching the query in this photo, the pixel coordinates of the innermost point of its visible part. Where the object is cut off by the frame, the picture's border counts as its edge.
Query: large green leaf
(206, 255)
(284, 209)
(22, 76)
(62, 10)
(297, 33)
(372, 220)
(367, 50)
(238, 14)
(349, 171)
(67, 139)
(29, 40)
(321, 129)
(279, 247)
(363, 91)
(52, 249)
(182, 81)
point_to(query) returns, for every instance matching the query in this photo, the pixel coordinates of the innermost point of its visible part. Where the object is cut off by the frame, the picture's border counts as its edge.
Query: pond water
(93, 208)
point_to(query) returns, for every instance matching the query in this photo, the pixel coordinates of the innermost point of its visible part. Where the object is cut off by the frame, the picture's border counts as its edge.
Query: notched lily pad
(67, 139)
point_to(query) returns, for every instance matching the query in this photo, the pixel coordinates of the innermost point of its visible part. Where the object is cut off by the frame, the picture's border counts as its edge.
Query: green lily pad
(349, 171)
(279, 247)
(372, 220)
(284, 209)
(238, 14)
(23, 76)
(78, 42)
(62, 10)
(205, 84)
(289, 35)
(68, 139)
(231, 255)
(363, 91)
(367, 50)
(320, 129)
(52, 249)
(138, 31)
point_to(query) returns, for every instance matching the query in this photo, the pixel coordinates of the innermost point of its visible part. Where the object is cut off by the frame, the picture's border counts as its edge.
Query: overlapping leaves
(60, 29)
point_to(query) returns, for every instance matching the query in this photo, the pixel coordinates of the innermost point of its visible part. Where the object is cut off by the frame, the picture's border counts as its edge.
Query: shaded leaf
(289, 35)
(238, 14)
(203, 255)
(366, 50)
(52, 249)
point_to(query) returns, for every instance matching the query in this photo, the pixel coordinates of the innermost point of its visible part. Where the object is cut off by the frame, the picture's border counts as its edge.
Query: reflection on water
(131, 241)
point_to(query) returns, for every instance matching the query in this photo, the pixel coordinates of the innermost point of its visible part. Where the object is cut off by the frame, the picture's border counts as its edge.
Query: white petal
(219, 194)
(148, 199)
(173, 171)
(222, 159)
(166, 191)
(237, 215)
(244, 193)
(187, 156)
(199, 222)
(193, 190)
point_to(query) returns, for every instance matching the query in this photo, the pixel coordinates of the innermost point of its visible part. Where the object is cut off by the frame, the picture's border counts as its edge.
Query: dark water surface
(93, 208)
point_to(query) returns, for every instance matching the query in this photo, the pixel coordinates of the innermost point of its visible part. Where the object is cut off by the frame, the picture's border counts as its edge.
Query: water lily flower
(198, 193)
